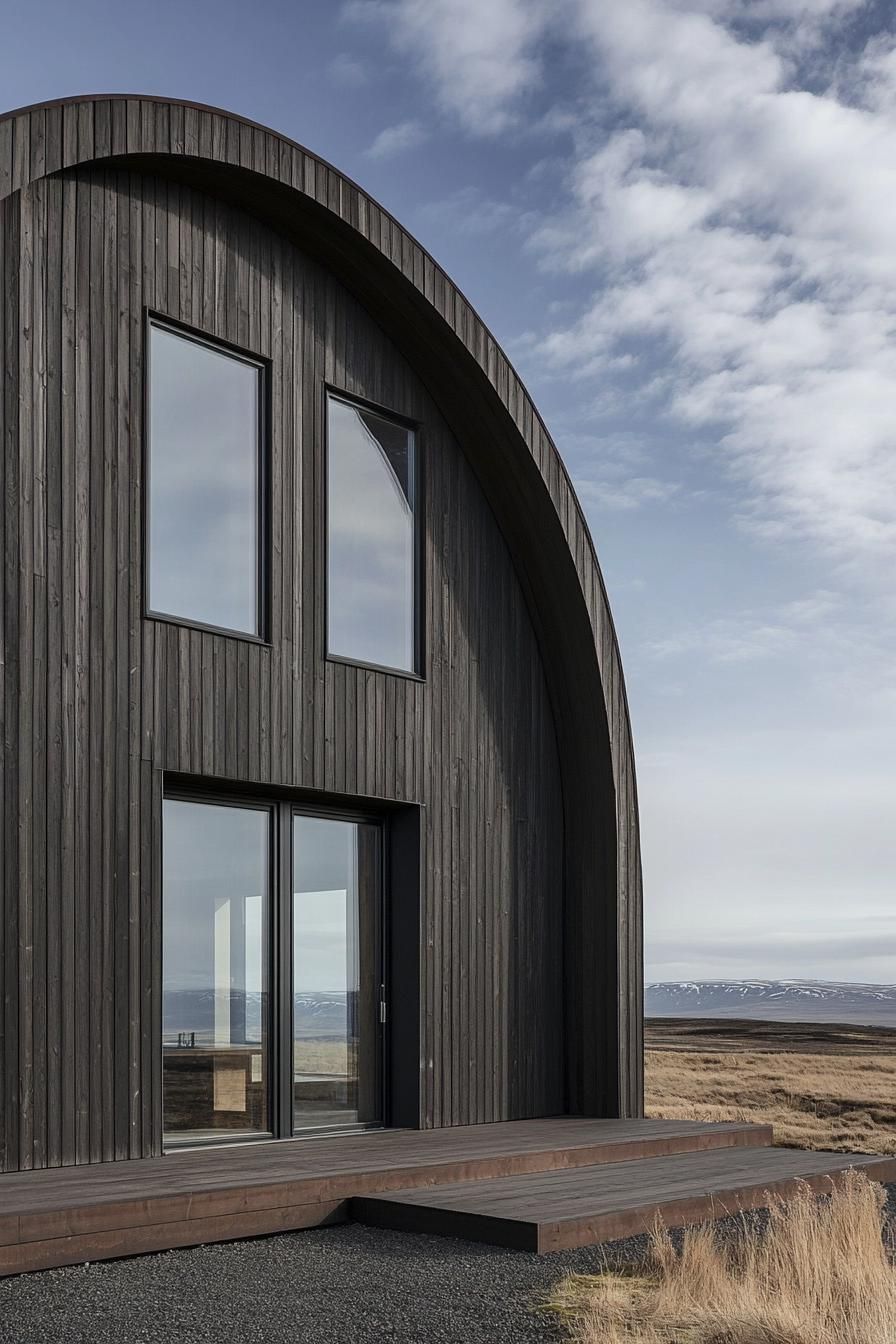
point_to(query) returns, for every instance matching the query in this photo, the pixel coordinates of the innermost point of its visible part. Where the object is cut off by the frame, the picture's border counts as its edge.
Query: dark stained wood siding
(98, 701)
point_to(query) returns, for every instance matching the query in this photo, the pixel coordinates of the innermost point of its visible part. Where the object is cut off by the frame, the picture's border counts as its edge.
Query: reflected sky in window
(215, 877)
(325, 871)
(370, 544)
(203, 483)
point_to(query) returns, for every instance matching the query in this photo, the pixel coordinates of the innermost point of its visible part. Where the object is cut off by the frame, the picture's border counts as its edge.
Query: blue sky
(679, 219)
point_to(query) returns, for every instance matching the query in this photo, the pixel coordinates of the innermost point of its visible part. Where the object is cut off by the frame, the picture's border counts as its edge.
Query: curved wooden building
(318, 797)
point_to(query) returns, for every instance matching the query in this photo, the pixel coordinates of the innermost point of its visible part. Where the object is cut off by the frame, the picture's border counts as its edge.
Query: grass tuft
(819, 1272)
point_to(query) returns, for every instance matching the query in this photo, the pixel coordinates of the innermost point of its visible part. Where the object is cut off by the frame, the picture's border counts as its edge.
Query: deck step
(555, 1210)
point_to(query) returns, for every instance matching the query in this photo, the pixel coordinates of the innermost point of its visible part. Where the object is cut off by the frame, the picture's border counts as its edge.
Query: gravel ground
(338, 1285)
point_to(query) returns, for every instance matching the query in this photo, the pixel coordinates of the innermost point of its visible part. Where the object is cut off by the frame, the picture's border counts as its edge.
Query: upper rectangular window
(372, 522)
(205, 483)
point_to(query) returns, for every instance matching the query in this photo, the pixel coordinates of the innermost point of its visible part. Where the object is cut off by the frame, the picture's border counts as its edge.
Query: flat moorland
(820, 1085)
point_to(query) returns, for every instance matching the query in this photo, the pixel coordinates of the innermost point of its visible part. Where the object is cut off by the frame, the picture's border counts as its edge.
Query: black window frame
(263, 476)
(418, 673)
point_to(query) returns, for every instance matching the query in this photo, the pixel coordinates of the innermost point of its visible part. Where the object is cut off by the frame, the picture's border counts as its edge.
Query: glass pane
(370, 516)
(336, 1057)
(215, 885)
(203, 484)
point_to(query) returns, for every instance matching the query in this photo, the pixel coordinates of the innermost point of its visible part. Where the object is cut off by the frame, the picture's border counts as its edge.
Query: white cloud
(719, 208)
(397, 139)
(745, 227)
(479, 59)
(736, 217)
(614, 471)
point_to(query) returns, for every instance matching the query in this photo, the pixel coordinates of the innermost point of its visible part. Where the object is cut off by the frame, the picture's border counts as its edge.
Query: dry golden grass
(819, 1274)
(838, 1101)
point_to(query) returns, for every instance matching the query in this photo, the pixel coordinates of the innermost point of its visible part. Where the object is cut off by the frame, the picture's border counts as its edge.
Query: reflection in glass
(203, 483)
(335, 986)
(370, 538)
(215, 883)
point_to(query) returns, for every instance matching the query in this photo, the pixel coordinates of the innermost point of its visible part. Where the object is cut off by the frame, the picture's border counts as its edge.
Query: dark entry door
(271, 971)
(337, 1055)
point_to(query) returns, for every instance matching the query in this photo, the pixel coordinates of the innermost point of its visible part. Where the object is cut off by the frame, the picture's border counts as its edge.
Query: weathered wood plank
(11, 221)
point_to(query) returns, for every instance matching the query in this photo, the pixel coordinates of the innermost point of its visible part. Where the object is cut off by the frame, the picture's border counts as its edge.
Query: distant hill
(774, 1001)
(317, 1015)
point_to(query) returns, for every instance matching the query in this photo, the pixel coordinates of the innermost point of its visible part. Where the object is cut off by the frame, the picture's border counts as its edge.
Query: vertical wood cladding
(96, 702)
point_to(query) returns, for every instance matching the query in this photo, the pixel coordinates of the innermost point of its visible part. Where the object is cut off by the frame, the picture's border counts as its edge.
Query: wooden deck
(538, 1185)
(72, 1214)
(555, 1210)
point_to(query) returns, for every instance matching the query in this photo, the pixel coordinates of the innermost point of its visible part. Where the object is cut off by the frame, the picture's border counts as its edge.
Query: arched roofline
(213, 110)
(520, 469)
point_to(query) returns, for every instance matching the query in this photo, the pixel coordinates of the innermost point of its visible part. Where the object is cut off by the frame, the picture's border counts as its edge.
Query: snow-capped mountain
(317, 1015)
(774, 1000)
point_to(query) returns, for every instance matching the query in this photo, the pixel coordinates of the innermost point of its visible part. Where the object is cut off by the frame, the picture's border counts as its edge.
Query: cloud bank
(709, 190)
(729, 200)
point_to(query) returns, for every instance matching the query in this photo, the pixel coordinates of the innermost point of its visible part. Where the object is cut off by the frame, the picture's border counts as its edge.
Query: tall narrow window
(205, 432)
(371, 538)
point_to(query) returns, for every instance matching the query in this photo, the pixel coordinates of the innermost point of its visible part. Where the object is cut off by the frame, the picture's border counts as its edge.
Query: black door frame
(279, 960)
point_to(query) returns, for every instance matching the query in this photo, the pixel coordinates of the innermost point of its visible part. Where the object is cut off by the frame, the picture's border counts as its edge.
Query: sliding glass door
(272, 994)
(336, 959)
